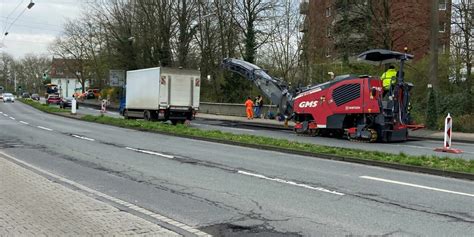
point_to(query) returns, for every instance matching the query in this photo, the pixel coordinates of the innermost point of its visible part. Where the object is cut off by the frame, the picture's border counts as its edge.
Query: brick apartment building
(334, 29)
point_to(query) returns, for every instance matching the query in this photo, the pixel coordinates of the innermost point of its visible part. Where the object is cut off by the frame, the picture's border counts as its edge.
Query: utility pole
(14, 81)
(433, 80)
(432, 108)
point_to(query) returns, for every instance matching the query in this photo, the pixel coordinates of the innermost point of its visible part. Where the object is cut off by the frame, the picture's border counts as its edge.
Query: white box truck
(161, 94)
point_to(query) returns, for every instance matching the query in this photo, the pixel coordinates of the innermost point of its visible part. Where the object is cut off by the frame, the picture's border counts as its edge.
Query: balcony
(304, 7)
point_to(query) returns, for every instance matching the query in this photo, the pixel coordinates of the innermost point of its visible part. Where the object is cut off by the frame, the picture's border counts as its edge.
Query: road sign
(117, 78)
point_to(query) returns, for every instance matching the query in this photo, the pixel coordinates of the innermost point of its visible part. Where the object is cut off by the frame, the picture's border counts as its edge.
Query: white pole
(73, 105)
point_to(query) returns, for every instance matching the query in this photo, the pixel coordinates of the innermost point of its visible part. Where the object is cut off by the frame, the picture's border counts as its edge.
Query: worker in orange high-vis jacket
(249, 107)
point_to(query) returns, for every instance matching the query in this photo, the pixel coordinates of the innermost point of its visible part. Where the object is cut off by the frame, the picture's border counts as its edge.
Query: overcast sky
(37, 27)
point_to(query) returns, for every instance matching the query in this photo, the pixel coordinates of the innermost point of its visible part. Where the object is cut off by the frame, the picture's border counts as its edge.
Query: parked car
(67, 102)
(90, 94)
(35, 97)
(25, 95)
(1, 96)
(8, 97)
(53, 99)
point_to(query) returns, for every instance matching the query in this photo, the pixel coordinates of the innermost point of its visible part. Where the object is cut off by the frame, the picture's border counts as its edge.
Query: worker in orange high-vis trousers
(249, 107)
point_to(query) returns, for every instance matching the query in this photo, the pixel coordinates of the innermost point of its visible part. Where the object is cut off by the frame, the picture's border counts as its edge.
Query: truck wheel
(125, 114)
(147, 115)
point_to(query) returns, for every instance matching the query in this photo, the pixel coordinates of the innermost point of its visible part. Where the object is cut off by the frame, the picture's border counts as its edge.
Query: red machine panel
(356, 95)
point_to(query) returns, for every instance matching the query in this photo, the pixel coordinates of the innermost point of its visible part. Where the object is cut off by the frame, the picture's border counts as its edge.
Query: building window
(328, 12)
(442, 27)
(442, 5)
(328, 31)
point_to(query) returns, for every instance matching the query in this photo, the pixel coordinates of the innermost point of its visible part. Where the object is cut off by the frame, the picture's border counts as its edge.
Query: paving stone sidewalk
(31, 205)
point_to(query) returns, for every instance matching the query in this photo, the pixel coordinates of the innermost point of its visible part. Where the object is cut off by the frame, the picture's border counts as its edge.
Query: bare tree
(250, 16)
(72, 48)
(30, 71)
(284, 41)
(463, 42)
(185, 13)
(6, 71)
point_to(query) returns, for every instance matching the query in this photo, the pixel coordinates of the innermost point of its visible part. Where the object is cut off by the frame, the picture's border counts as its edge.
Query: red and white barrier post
(448, 131)
(103, 107)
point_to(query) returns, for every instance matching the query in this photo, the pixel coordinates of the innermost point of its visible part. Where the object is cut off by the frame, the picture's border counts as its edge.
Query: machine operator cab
(398, 99)
(381, 57)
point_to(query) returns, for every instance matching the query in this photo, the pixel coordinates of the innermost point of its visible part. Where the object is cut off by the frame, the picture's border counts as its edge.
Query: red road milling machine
(349, 105)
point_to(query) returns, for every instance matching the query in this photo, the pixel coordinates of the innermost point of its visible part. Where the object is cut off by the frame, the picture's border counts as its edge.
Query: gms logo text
(308, 104)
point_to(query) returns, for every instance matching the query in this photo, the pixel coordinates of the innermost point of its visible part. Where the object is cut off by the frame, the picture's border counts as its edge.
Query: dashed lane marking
(83, 138)
(12, 118)
(44, 128)
(150, 152)
(416, 186)
(23, 122)
(134, 207)
(290, 183)
(6, 115)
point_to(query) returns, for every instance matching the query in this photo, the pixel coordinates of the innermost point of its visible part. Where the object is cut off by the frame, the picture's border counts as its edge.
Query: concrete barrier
(231, 109)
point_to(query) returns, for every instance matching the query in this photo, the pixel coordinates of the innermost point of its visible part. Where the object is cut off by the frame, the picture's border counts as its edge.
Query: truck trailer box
(162, 93)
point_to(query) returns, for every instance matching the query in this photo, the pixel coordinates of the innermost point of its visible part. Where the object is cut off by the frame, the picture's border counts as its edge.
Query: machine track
(373, 137)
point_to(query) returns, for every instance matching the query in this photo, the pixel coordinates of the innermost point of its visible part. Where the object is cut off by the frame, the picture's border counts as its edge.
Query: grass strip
(43, 107)
(440, 163)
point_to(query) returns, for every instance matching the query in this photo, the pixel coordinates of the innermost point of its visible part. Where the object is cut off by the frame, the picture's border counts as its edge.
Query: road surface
(222, 188)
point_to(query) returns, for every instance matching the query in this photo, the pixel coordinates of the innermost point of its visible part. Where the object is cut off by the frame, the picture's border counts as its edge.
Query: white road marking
(47, 129)
(23, 122)
(1, 112)
(6, 115)
(12, 118)
(83, 138)
(112, 199)
(150, 152)
(416, 185)
(290, 183)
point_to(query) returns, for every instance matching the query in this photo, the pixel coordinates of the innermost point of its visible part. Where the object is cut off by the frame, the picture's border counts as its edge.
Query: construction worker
(249, 107)
(331, 75)
(388, 78)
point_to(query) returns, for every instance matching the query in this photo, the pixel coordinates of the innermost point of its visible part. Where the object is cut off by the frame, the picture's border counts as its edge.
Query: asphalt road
(234, 190)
